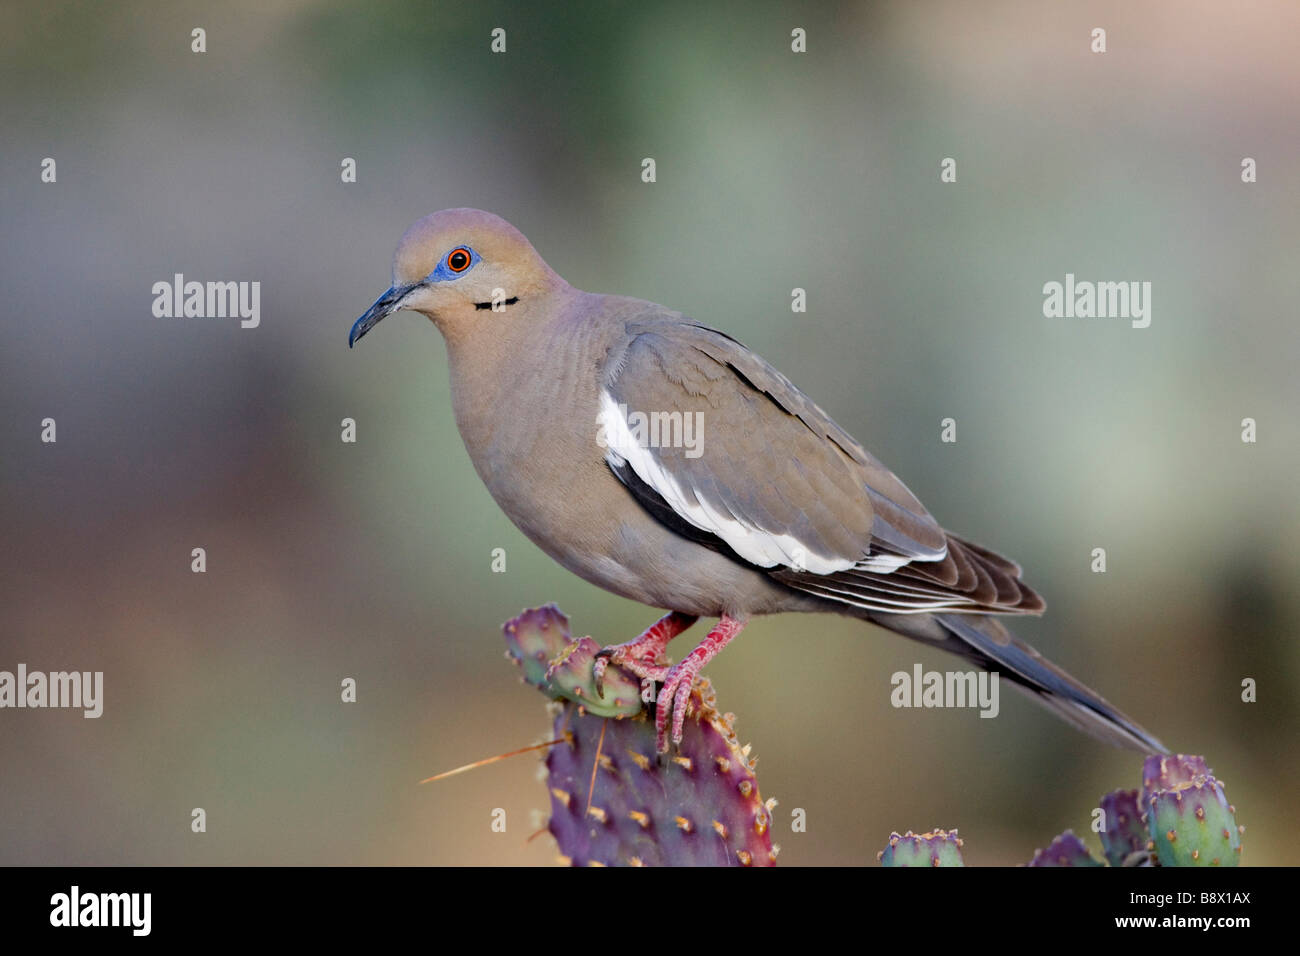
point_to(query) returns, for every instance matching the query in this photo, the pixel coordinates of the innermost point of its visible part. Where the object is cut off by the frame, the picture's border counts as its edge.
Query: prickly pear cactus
(1066, 850)
(614, 800)
(1192, 824)
(1124, 834)
(935, 848)
(699, 807)
(1166, 772)
(538, 641)
(1183, 818)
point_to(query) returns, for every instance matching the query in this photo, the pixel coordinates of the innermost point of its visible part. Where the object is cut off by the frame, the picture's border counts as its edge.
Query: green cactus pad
(571, 674)
(1192, 824)
(1125, 833)
(700, 807)
(538, 641)
(1066, 850)
(534, 638)
(935, 848)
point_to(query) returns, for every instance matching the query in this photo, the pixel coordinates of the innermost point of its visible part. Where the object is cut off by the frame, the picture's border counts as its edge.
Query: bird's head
(454, 266)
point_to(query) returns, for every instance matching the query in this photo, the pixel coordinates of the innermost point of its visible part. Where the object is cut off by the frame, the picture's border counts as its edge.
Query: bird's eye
(458, 260)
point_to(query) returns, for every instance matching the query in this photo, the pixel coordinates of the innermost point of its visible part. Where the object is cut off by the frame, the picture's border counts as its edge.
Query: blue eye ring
(455, 264)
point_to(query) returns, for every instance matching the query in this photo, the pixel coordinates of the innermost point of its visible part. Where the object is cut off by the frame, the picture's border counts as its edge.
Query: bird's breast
(527, 414)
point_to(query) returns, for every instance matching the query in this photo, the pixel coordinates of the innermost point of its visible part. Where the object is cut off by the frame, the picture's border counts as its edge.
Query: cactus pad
(1125, 834)
(1066, 850)
(1181, 818)
(1164, 773)
(538, 641)
(936, 848)
(1192, 824)
(613, 800)
(700, 807)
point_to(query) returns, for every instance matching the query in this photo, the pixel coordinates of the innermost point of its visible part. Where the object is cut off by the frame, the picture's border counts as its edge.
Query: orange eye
(458, 260)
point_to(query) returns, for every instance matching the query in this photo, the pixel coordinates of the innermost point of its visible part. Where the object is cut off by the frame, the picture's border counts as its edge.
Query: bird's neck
(537, 363)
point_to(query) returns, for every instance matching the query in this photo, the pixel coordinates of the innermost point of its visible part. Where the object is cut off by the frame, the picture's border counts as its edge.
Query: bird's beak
(386, 304)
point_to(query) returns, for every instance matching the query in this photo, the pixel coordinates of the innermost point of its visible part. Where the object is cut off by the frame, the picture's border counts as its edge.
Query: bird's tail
(987, 643)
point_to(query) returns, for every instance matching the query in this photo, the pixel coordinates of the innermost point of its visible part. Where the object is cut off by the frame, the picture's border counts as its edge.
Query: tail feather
(987, 643)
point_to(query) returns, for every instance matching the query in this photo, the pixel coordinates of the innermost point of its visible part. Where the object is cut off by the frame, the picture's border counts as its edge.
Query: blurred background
(775, 170)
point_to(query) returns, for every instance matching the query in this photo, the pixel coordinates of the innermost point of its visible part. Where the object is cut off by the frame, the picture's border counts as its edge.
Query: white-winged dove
(755, 502)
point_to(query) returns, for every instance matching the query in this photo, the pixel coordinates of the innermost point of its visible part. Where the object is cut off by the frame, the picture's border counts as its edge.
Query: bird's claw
(598, 670)
(625, 657)
(674, 698)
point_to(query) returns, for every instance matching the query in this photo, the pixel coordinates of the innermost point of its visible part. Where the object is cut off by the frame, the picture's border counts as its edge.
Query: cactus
(1187, 815)
(614, 800)
(1166, 772)
(1066, 850)
(1124, 833)
(700, 807)
(1187, 822)
(538, 641)
(936, 848)
(1192, 824)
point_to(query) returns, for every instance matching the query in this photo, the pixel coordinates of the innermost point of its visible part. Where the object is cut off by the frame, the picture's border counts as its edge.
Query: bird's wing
(717, 444)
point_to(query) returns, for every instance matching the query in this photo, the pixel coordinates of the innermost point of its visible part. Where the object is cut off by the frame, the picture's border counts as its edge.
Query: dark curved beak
(386, 304)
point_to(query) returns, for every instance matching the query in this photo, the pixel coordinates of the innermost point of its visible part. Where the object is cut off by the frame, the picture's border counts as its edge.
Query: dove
(662, 460)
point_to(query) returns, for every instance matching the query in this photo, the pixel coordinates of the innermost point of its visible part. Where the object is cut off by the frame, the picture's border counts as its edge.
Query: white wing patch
(756, 545)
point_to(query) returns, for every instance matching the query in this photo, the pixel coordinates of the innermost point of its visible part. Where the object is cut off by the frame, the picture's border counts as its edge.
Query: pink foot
(676, 693)
(643, 656)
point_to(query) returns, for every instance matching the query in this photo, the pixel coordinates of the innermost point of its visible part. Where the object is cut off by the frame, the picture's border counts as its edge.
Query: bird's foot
(674, 698)
(644, 656)
(623, 655)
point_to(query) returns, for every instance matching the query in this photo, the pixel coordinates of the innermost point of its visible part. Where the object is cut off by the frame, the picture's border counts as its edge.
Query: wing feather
(774, 482)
